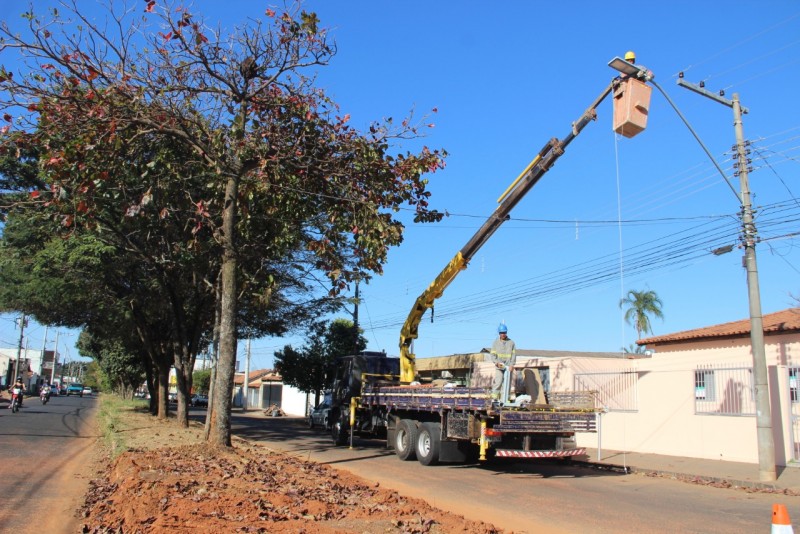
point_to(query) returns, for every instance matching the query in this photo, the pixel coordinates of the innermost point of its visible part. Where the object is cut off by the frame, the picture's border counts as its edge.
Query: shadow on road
(311, 443)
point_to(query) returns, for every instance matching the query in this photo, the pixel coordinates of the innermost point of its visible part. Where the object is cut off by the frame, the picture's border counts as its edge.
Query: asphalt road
(530, 496)
(46, 450)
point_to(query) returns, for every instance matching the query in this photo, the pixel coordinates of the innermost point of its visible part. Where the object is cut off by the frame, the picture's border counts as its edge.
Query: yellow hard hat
(630, 56)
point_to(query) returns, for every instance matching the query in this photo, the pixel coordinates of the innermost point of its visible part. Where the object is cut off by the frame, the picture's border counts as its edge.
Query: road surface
(532, 496)
(46, 452)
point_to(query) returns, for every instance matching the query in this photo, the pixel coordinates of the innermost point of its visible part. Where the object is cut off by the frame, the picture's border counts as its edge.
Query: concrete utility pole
(55, 362)
(22, 322)
(766, 440)
(766, 444)
(44, 348)
(246, 384)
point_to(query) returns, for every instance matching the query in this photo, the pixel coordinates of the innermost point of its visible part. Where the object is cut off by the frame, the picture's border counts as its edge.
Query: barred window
(704, 385)
(724, 390)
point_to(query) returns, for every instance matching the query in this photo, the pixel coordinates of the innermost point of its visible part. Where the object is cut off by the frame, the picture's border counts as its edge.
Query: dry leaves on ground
(194, 488)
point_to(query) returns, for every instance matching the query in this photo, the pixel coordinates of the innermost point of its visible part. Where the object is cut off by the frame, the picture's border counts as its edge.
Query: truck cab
(352, 374)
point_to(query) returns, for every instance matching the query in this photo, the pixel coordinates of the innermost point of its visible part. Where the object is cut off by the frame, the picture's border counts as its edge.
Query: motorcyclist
(21, 385)
(45, 391)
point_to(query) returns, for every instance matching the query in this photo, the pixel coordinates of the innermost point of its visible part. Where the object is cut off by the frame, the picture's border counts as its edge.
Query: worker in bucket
(504, 356)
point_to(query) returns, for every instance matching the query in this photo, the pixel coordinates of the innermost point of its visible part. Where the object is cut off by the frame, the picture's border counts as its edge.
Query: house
(36, 364)
(690, 394)
(265, 388)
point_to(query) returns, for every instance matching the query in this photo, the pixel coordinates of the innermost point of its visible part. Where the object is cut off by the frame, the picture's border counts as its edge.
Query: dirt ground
(169, 481)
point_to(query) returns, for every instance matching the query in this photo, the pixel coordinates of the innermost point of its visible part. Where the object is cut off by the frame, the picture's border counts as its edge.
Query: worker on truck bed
(504, 357)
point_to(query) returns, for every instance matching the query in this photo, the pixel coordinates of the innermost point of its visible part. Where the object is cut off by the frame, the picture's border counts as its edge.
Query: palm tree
(641, 304)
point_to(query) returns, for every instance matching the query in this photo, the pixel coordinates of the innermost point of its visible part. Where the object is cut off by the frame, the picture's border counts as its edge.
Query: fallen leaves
(197, 489)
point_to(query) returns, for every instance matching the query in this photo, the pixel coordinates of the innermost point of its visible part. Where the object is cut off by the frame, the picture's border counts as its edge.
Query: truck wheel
(339, 430)
(429, 443)
(405, 439)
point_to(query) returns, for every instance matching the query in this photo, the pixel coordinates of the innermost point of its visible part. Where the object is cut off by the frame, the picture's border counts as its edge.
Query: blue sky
(613, 214)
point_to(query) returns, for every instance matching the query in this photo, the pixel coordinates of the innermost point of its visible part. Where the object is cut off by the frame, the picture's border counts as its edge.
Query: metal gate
(794, 376)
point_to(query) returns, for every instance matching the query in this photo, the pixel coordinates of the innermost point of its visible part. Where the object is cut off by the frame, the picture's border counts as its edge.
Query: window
(724, 391)
(704, 385)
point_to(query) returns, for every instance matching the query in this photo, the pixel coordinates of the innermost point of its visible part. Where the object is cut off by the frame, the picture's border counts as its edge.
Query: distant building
(34, 365)
(265, 389)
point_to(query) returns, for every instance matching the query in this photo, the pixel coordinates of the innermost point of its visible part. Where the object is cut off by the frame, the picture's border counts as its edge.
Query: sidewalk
(705, 471)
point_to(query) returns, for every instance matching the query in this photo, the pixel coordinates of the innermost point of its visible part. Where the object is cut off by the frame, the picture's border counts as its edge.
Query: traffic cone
(780, 520)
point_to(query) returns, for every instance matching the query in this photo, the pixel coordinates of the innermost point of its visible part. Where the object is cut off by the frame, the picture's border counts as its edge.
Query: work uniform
(503, 352)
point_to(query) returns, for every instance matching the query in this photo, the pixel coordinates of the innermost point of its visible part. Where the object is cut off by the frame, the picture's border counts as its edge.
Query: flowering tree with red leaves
(286, 177)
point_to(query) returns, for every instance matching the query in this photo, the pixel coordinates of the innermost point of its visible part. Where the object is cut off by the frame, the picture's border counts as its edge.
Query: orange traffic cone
(780, 520)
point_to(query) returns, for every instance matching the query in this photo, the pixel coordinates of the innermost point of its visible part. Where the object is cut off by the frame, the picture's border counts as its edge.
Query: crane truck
(377, 396)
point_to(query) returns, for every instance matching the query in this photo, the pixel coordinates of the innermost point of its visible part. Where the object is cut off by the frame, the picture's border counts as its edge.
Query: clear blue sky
(614, 214)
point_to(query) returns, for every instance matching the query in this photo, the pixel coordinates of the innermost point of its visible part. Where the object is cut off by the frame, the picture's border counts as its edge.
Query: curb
(720, 482)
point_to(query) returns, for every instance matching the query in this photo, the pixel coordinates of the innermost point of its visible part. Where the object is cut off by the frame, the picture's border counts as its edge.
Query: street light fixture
(630, 69)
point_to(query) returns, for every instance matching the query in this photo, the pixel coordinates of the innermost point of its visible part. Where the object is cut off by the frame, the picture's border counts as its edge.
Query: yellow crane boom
(540, 164)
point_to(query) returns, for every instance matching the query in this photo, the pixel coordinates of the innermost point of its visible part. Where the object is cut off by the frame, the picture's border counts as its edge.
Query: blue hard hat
(502, 329)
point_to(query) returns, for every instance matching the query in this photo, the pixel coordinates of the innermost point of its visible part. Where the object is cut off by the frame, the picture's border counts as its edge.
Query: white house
(266, 389)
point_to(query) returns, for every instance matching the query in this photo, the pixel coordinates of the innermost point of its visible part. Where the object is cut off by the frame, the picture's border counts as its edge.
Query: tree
(202, 381)
(310, 368)
(122, 371)
(284, 171)
(641, 304)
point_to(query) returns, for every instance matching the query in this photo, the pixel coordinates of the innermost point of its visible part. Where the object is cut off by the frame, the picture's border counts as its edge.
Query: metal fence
(794, 382)
(616, 391)
(724, 390)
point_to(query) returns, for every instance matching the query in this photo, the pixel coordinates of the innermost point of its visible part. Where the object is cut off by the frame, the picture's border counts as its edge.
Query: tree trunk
(220, 427)
(163, 391)
(214, 358)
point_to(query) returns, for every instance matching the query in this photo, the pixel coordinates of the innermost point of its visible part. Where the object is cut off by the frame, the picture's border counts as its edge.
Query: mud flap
(454, 451)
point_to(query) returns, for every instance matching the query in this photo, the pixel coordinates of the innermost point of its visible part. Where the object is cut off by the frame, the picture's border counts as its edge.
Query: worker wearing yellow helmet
(630, 57)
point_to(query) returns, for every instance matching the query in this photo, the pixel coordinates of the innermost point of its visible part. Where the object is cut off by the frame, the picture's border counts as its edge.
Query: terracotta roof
(256, 376)
(774, 323)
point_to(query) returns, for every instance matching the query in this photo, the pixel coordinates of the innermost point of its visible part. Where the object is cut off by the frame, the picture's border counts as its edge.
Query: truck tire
(429, 443)
(405, 439)
(339, 430)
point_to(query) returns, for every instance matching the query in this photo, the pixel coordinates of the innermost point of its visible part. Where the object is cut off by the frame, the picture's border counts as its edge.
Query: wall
(665, 422)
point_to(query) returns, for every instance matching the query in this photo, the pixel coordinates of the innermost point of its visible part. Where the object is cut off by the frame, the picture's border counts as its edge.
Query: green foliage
(310, 368)
(201, 381)
(121, 369)
(207, 162)
(641, 304)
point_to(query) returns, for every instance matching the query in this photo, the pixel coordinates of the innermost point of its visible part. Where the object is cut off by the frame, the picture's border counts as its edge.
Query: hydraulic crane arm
(545, 159)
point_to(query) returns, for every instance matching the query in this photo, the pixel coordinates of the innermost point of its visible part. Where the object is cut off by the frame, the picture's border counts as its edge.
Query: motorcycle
(44, 395)
(16, 399)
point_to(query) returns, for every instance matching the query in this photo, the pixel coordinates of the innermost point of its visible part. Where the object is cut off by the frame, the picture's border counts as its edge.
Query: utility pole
(22, 323)
(764, 434)
(355, 321)
(44, 348)
(55, 362)
(246, 384)
(766, 444)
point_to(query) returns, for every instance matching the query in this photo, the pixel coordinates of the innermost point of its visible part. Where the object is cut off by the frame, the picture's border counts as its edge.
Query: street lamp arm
(708, 153)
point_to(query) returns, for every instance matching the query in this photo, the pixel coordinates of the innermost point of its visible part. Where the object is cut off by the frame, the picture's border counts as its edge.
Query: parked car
(75, 389)
(319, 415)
(198, 400)
(54, 390)
(172, 397)
(87, 390)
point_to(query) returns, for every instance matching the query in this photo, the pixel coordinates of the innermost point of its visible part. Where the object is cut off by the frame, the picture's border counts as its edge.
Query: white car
(319, 416)
(87, 390)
